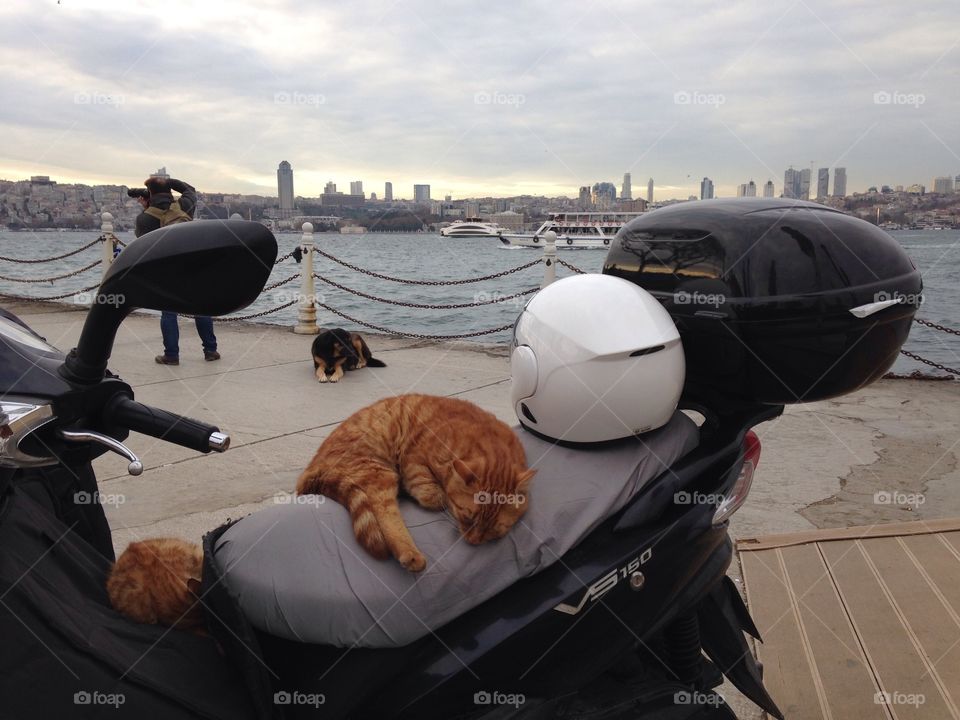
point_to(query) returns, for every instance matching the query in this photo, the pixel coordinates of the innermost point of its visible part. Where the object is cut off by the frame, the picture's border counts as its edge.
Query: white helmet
(595, 358)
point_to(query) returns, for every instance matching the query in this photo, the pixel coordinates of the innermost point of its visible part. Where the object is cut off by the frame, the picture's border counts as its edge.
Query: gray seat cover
(300, 574)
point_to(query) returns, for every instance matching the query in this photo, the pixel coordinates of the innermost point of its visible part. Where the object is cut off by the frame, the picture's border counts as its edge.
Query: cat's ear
(468, 476)
(193, 585)
(523, 479)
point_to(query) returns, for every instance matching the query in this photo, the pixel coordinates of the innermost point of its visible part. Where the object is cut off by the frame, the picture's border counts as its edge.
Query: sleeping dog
(337, 350)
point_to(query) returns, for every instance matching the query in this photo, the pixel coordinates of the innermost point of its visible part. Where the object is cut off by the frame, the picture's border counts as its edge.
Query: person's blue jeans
(171, 334)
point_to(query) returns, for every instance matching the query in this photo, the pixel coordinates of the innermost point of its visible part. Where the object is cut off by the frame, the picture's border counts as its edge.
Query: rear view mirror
(197, 268)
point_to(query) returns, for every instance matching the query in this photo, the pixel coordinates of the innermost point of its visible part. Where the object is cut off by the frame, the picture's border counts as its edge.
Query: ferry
(574, 230)
(471, 227)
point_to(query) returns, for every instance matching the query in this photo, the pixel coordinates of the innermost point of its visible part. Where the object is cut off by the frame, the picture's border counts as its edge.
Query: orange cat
(445, 453)
(157, 581)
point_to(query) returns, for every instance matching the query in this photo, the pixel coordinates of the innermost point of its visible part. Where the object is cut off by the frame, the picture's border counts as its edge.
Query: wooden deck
(859, 622)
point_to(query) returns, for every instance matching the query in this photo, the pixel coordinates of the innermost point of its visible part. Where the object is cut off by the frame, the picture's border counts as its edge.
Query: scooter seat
(298, 572)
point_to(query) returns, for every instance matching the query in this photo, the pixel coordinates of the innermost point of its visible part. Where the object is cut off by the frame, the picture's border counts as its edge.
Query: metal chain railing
(285, 257)
(55, 277)
(931, 363)
(275, 285)
(256, 314)
(56, 257)
(406, 281)
(934, 325)
(27, 298)
(570, 266)
(419, 336)
(426, 306)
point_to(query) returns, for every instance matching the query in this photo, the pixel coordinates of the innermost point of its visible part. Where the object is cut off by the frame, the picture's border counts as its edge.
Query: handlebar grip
(193, 434)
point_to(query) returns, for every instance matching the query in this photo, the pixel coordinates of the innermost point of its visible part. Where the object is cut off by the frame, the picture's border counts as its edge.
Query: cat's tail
(366, 527)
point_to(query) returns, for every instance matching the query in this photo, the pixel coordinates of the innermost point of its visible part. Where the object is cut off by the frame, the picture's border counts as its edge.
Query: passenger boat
(471, 227)
(574, 230)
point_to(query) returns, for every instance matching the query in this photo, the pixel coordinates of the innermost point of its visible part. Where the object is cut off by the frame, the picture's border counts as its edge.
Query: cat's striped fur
(447, 454)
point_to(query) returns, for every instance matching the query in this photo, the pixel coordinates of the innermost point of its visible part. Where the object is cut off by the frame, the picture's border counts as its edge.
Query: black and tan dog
(336, 350)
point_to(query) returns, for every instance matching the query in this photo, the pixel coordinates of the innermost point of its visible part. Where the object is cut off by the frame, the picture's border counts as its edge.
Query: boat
(574, 230)
(352, 230)
(471, 227)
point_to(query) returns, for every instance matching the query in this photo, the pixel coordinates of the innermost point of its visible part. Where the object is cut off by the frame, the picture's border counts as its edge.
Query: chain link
(937, 327)
(419, 336)
(254, 315)
(56, 257)
(282, 282)
(569, 266)
(55, 277)
(425, 282)
(931, 363)
(285, 257)
(25, 298)
(425, 306)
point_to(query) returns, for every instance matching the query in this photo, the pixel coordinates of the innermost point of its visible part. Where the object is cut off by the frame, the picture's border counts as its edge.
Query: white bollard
(307, 312)
(549, 258)
(109, 241)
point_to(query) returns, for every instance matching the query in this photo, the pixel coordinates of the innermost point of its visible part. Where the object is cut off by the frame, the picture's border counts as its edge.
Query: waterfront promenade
(823, 464)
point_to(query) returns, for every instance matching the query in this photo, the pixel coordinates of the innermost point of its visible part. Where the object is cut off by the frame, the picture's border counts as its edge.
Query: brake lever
(135, 467)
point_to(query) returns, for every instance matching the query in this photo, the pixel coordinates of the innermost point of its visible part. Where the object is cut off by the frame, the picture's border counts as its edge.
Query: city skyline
(713, 85)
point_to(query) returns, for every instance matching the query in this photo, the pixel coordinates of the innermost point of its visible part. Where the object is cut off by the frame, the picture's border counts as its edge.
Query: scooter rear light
(741, 488)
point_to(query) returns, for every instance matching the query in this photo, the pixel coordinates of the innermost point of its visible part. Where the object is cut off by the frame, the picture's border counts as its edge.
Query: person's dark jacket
(161, 197)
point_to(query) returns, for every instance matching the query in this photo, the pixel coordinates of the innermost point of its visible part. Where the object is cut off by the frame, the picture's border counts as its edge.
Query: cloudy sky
(479, 98)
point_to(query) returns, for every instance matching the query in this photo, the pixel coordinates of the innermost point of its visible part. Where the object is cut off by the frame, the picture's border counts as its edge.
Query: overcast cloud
(479, 98)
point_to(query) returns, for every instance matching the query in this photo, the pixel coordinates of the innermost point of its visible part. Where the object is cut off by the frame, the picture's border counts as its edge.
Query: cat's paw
(412, 561)
(429, 496)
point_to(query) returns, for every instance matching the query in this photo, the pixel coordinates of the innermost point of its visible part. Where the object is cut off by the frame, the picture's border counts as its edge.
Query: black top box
(777, 301)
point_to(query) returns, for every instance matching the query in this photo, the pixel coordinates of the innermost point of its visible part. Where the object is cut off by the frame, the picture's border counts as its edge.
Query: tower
(823, 182)
(768, 189)
(650, 190)
(626, 190)
(840, 182)
(285, 188)
(388, 191)
(706, 189)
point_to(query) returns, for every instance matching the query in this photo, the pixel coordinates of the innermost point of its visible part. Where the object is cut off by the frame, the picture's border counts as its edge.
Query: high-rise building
(943, 185)
(388, 191)
(840, 182)
(706, 189)
(805, 184)
(768, 189)
(356, 187)
(330, 187)
(956, 183)
(604, 195)
(373, 196)
(285, 188)
(791, 183)
(421, 193)
(626, 191)
(823, 182)
(584, 199)
(747, 189)
(650, 190)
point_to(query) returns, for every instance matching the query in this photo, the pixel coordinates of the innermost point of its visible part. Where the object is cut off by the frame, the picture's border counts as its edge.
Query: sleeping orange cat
(157, 581)
(447, 454)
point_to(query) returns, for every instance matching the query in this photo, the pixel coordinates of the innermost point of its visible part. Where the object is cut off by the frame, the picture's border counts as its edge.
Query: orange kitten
(157, 581)
(445, 453)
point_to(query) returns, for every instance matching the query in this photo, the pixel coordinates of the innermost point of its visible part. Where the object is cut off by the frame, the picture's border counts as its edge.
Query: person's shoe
(211, 355)
(167, 360)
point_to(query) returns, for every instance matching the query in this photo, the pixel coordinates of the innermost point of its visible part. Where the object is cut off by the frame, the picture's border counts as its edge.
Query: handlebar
(121, 411)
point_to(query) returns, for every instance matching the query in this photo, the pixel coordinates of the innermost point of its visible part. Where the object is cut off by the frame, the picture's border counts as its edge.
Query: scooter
(638, 621)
